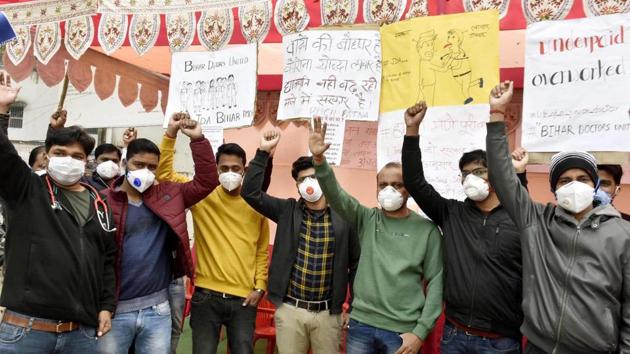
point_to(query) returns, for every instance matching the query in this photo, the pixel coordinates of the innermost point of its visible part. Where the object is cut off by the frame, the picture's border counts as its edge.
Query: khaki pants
(297, 330)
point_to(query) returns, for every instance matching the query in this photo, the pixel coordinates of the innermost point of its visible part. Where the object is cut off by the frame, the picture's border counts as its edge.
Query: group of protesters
(97, 264)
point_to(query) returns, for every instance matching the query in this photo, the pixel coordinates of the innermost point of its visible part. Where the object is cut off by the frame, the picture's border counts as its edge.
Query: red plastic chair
(265, 328)
(434, 340)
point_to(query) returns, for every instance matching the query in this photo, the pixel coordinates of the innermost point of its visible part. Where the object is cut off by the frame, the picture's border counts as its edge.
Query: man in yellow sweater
(231, 248)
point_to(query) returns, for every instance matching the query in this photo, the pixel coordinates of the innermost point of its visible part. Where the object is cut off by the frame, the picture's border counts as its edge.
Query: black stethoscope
(102, 214)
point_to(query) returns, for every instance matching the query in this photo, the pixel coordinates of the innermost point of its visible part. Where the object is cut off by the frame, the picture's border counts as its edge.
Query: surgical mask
(230, 180)
(108, 169)
(476, 188)
(40, 172)
(140, 180)
(310, 190)
(390, 199)
(602, 198)
(66, 170)
(575, 196)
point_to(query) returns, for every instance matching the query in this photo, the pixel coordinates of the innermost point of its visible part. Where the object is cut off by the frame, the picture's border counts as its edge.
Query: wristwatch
(260, 291)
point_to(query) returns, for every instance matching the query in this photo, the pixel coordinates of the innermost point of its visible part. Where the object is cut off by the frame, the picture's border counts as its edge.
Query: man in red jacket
(151, 223)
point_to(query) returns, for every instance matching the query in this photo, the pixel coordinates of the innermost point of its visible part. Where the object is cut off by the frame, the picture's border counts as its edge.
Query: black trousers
(209, 312)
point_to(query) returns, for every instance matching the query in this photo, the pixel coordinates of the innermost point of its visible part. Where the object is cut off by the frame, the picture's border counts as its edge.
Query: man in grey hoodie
(576, 271)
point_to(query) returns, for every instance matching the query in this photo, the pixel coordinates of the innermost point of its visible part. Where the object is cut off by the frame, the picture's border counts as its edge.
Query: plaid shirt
(311, 277)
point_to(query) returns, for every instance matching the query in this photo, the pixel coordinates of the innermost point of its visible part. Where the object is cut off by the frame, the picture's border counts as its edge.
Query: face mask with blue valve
(140, 180)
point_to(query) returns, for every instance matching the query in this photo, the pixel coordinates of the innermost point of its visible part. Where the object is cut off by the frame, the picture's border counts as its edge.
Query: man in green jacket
(400, 251)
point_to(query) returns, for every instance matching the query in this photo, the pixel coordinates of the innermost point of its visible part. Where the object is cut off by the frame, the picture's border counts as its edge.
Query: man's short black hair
(614, 170)
(473, 156)
(142, 146)
(301, 164)
(106, 149)
(232, 149)
(32, 157)
(71, 135)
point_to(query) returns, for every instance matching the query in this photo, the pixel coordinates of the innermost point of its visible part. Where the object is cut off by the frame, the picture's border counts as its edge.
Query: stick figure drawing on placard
(183, 96)
(197, 98)
(210, 98)
(231, 91)
(221, 94)
(458, 62)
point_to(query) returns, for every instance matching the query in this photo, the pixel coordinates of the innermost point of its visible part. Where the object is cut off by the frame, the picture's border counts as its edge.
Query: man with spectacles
(482, 253)
(315, 256)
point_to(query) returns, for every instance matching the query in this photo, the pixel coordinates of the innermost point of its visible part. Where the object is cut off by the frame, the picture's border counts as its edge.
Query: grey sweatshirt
(576, 274)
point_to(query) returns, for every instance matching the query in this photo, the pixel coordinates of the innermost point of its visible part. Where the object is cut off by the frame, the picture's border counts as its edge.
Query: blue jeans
(365, 339)
(150, 328)
(177, 299)
(456, 341)
(14, 339)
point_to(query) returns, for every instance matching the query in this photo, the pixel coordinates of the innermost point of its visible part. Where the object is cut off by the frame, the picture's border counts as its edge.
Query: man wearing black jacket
(482, 252)
(315, 256)
(60, 282)
(610, 182)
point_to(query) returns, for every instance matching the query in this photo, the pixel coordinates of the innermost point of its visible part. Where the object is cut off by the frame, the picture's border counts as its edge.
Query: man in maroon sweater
(151, 227)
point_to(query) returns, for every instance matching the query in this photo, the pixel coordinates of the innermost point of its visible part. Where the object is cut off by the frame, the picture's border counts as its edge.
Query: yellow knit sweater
(231, 238)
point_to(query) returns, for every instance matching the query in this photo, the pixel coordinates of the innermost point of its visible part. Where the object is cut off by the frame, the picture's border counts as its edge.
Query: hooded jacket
(576, 273)
(55, 268)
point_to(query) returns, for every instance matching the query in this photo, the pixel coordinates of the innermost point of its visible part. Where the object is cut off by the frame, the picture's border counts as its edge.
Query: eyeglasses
(479, 172)
(303, 178)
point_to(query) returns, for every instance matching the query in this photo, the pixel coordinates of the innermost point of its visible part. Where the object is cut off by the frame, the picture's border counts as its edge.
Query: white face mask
(65, 170)
(40, 172)
(575, 196)
(108, 169)
(476, 188)
(390, 199)
(310, 190)
(230, 180)
(141, 180)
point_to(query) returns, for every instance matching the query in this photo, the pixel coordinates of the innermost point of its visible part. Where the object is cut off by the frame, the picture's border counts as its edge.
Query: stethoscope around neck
(102, 212)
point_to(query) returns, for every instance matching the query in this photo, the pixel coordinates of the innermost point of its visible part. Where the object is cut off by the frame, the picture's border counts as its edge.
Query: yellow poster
(447, 60)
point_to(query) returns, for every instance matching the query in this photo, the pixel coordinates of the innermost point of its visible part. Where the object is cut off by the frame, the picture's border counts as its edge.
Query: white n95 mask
(108, 169)
(390, 199)
(476, 188)
(230, 180)
(310, 190)
(575, 196)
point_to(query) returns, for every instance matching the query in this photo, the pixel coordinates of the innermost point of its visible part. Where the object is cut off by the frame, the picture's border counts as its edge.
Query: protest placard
(444, 60)
(445, 134)
(216, 88)
(359, 145)
(334, 74)
(577, 85)
(334, 136)
(214, 134)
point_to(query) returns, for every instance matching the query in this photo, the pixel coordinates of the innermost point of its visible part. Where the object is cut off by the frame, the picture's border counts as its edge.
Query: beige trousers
(297, 330)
